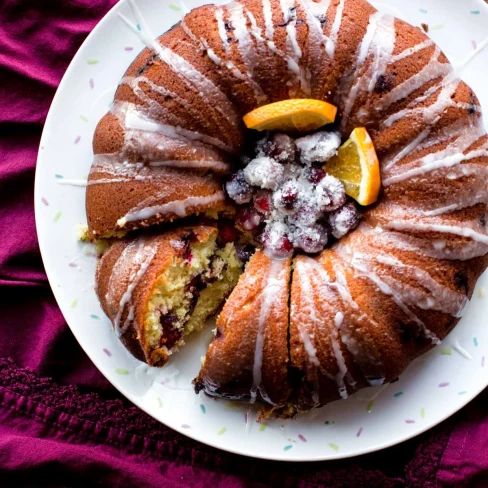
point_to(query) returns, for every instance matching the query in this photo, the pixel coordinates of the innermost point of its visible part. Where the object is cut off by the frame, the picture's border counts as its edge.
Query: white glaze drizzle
(457, 347)
(379, 41)
(441, 228)
(204, 87)
(143, 254)
(330, 46)
(275, 281)
(353, 258)
(147, 208)
(71, 182)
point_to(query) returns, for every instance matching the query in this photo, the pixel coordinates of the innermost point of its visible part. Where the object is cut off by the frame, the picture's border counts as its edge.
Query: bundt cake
(157, 289)
(308, 325)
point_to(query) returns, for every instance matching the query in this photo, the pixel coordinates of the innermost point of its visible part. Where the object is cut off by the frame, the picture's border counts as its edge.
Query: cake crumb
(425, 27)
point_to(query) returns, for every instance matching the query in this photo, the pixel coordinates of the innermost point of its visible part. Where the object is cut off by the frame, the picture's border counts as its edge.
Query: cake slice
(158, 289)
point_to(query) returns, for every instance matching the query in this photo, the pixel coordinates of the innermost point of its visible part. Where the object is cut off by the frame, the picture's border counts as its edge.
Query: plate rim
(133, 399)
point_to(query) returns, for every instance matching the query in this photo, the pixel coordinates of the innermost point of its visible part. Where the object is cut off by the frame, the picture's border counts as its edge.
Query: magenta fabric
(61, 423)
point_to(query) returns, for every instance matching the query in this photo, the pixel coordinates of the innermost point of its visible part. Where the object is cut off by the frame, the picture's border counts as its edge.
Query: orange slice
(296, 114)
(357, 166)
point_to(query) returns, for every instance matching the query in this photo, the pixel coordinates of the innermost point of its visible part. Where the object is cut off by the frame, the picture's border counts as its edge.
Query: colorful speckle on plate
(409, 421)
(359, 432)
(202, 408)
(370, 406)
(84, 118)
(422, 10)
(398, 394)
(160, 402)
(92, 61)
(185, 426)
(74, 303)
(93, 316)
(57, 216)
(329, 422)
(334, 446)
(122, 371)
(106, 351)
(222, 431)
(446, 352)
(174, 7)
(443, 385)
(287, 448)
(475, 341)
(77, 140)
(92, 83)
(262, 427)
(128, 48)
(422, 413)
(302, 438)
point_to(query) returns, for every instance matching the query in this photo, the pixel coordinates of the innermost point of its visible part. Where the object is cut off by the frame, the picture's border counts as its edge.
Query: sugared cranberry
(227, 233)
(318, 147)
(239, 189)
(307, 214)
(264, 146)
(276, 240)
(286, 199)
(311, 239)
(262, 202)
(330, 194)
(248, 218)
(315, 175)
(265, 173)
(344, 220)
(283, 148)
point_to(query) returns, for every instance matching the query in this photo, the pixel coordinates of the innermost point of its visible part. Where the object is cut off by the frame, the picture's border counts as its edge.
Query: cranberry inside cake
(286, 201)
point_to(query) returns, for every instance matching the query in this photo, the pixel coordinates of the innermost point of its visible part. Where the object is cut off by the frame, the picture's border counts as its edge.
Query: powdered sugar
(289, 197)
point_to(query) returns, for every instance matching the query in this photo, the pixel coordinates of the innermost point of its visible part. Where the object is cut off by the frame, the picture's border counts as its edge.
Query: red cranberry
(263, 203)
(227, 233)
(248, 218)
(239, 189)
(170, 334)
(315, 175)
(287, 197)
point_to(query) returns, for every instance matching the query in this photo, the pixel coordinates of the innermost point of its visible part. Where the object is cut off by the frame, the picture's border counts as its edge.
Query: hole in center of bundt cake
(286, 202)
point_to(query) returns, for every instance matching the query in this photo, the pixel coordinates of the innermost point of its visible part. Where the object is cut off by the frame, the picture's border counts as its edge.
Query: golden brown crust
(229, 367)
(124, 294)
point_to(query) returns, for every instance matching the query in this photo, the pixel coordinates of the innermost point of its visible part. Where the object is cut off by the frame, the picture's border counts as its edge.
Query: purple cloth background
(61, 423)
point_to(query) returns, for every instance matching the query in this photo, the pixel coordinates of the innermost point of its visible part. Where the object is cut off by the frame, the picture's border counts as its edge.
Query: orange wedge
(357, 166)
(296, 115)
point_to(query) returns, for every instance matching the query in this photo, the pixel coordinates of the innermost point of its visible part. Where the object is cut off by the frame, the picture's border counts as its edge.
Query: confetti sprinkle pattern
(422, 10)
(160, 402)
(408, 421)
(172, 6)
(77, 140)
(287, 448)
(475, 341)
(106, 351)
(446, 352)
(222, 431)
(84, 118)
(359, 432)
(45, 202)
(262, 427)
(422, 413)
(122, 371)
(128, 48)
(96, 317)
(370, 406)
(443, 385)
(302, 438)
(92, 83)
(74, 303)
(58, 215)
(399, 394)
(185, 426)
(202, 408)
(92, 61)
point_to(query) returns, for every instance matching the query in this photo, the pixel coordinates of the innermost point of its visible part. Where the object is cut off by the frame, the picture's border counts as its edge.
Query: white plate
(432, 388)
